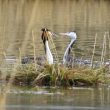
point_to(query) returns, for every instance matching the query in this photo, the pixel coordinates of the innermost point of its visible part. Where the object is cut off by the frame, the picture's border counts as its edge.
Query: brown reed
(34, 49)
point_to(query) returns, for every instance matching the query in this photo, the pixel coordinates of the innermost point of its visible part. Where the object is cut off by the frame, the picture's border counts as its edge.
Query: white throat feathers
(49, 56)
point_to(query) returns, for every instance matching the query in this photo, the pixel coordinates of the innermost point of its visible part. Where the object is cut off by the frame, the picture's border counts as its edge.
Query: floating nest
(58, 75)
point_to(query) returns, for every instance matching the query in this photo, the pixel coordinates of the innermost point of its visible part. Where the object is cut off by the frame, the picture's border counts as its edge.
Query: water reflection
(59, 99)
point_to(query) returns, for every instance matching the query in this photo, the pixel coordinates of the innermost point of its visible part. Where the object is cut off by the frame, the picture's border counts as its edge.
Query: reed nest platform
(55, 75)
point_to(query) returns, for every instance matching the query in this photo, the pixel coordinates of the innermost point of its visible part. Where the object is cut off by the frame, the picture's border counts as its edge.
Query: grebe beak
(50, 33)
(64, 34)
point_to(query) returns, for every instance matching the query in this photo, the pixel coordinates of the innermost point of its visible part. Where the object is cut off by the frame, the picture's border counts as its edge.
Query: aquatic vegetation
(59, 75)
(90, 76)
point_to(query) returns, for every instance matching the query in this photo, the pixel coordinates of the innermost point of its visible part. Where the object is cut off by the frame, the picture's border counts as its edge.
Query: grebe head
(45, 34)
(72, 35)
(45, 29)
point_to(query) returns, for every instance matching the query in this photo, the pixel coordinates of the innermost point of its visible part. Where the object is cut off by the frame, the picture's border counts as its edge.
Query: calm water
(87, 17)
(59, 99)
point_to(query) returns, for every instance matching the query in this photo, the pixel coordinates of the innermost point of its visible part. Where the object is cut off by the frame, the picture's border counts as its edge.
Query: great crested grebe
(45, 36)
(67, 58)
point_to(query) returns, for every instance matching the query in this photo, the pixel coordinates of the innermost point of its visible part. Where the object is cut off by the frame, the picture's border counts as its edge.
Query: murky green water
(59, 99)
(87, 17)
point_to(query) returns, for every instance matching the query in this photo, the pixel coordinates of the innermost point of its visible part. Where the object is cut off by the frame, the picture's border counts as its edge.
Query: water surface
(87, 17)
(59, 99)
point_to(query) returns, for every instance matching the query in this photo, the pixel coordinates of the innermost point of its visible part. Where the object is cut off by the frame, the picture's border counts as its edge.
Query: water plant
(59, 75)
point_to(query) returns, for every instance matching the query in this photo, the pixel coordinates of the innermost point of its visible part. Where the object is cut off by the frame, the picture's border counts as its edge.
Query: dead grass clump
(57, 75)
(89, 77)
(25, 74)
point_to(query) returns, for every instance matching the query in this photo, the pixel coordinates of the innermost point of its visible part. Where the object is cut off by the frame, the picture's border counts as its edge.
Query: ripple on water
(51, 107)
(40, 92)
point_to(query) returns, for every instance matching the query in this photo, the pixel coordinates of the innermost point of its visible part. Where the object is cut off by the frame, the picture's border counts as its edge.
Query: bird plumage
(45, 36)
(67, 58)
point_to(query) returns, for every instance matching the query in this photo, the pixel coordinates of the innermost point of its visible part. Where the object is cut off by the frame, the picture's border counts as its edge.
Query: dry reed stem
(104, 46)
(4, 54)
(56, 54)
(109, 49)
(34, 49)
(93, 50)
(20, 55)
(103, 49)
